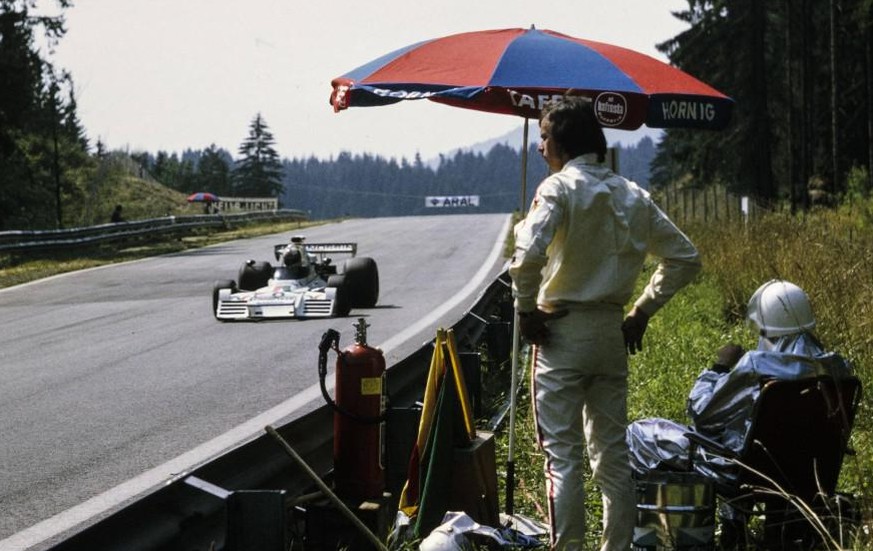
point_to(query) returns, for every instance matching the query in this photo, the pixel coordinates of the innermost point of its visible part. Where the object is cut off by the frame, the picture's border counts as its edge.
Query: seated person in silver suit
(722, 399)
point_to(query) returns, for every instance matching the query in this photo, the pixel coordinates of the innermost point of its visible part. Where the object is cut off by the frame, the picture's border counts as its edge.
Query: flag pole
(516, 344)
(343, 508)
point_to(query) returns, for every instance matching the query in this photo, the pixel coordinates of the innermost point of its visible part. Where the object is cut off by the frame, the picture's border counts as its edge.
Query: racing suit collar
(585, 159)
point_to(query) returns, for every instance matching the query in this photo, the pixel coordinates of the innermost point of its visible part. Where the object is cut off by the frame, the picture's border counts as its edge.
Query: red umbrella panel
(518, 71)
(203, 197)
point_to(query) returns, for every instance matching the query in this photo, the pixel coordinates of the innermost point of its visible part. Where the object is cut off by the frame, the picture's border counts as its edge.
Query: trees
(213, 172)
(723, 47)
(803, 91)
(41, 140)
(166, 169)
(258, 172)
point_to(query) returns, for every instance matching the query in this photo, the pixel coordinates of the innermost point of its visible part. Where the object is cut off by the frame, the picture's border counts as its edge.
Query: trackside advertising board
(451, 201)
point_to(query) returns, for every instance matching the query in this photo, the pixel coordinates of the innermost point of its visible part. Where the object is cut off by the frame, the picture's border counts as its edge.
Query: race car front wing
(230, 307)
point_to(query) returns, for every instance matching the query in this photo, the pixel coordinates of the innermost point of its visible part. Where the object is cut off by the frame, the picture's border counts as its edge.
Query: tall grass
(828, 253)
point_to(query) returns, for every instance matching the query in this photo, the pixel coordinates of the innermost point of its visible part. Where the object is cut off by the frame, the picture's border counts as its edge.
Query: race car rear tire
(341, 306)
(218, 286)
(254, 275)
(362, 280)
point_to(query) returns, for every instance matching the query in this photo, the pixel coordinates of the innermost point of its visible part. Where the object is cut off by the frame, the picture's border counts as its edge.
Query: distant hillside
(483, 177)
(119, 181)
(369, 186)
(615, 138)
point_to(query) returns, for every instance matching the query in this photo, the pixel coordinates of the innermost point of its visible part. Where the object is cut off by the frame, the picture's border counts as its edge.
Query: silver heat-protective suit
(720, 406)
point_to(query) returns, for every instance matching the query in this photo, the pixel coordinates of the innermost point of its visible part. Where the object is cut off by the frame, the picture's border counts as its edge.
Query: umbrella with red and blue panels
(516, 71)
(203, 197)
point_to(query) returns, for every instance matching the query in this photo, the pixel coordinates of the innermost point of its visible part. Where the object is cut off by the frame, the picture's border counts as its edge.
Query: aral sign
(451, 201)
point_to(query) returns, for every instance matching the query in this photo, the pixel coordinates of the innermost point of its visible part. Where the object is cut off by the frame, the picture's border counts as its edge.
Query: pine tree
(802, 86)
(258, 172)
(41, 140)
(213, 171)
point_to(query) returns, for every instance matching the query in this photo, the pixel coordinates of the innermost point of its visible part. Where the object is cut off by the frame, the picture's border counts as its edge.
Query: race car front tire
(341, 305)
(254, 275)
(218, 286)
(362, 280)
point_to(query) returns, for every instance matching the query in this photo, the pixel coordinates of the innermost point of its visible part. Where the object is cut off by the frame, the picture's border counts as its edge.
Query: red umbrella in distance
(203, 197)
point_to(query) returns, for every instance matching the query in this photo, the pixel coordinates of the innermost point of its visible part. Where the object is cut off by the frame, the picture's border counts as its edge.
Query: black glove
(728, 356)
(633, 328)
(534, 325)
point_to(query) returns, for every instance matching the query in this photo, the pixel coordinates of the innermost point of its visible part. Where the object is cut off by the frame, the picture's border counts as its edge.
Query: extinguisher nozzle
(329, 340)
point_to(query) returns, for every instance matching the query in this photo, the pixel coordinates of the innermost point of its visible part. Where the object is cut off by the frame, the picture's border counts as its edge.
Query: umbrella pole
(524, 169)
(510, 461)
(516, 344)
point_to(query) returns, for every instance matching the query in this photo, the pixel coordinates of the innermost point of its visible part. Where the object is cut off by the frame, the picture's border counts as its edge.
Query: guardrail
(34, 240)
(179, 516)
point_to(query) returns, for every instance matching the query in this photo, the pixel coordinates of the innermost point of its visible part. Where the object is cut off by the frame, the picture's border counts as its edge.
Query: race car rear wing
(321, 249)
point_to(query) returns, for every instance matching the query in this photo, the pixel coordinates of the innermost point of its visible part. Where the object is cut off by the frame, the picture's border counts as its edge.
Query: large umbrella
(518, 71)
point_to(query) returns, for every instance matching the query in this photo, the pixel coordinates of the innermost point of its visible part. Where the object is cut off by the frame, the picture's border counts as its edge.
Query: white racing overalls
(579, 388)
(581, 248)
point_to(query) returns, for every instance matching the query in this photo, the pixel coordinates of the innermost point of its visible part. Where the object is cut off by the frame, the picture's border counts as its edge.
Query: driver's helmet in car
(295, 262)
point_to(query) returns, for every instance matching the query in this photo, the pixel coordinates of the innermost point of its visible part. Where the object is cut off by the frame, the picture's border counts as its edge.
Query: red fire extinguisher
(359, 414)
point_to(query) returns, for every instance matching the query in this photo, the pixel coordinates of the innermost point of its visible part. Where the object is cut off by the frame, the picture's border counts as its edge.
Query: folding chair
(791, 459)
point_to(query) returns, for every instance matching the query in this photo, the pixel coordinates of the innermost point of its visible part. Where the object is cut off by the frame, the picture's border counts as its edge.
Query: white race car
(306, 284)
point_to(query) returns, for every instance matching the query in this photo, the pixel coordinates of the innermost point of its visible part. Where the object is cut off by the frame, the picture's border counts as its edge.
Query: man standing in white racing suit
(578, 255)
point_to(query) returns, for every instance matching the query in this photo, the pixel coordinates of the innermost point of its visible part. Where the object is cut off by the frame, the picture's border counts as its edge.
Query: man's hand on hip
(534, 325)
(633, 328)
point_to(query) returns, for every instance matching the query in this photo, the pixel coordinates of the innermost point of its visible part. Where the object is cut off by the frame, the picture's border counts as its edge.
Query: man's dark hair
(575, 128)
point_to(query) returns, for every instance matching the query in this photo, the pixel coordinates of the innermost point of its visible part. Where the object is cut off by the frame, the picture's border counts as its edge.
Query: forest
(800, 72)
(364, 185)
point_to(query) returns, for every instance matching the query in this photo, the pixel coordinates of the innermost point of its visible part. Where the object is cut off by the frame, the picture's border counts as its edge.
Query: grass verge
(828, 253)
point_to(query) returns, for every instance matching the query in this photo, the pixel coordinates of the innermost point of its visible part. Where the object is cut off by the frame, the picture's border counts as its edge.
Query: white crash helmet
(780, 308)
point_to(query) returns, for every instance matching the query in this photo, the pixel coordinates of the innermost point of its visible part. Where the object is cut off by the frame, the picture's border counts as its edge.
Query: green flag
(436, 472)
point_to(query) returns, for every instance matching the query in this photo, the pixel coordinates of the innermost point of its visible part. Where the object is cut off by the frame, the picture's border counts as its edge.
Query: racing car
(305, 284)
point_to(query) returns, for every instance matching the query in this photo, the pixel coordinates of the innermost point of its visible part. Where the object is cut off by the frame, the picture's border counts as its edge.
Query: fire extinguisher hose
(329, 340)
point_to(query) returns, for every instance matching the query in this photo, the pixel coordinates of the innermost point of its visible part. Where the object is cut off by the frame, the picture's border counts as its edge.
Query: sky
(172, 75)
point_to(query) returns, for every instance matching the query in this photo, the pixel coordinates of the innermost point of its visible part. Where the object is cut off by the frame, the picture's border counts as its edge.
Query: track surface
(112, 372)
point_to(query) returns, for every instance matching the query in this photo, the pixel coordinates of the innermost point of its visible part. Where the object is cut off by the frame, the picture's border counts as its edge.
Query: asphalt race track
(117, 378)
